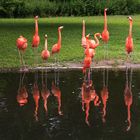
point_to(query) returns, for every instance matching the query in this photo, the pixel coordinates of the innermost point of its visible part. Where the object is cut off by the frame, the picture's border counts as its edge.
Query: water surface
(29, 119)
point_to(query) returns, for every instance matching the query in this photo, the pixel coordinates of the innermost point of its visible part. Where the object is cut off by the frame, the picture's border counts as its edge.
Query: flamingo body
(36, 41)
(45, 54)
(21, 43)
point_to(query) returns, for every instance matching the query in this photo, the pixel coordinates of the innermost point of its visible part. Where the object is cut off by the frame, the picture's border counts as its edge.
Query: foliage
(45, 8)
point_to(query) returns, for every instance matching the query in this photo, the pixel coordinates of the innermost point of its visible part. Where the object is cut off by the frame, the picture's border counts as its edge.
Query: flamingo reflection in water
(88, 94)
(22, 91)
(45, 93)
(128, 97)
(104, 94)
(57, 93)
(36, 96)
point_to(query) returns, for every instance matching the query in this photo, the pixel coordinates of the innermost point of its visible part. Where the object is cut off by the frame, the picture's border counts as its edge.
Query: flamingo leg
(59, 106)
(87, 113)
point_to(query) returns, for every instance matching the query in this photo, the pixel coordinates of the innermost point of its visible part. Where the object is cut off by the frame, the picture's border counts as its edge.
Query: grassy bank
(71, 50)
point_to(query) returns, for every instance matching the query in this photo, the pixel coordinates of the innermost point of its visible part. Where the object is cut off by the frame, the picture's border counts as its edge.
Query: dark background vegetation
(46, 8)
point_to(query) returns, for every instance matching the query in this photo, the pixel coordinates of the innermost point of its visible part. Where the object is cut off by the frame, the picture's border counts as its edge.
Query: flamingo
(88, 95)
(93, 46)
(128, 98)
(21, 44)
(36, 97)
(36, 38)
(45, 53)
(57, 93)
(129, 40)
(105, 33)
(86, 99)
(22, 96)
(56, 47)
(45, 93)
(104, 96)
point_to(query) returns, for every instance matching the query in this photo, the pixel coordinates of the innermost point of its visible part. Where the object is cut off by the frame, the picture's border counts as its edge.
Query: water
(30, 121)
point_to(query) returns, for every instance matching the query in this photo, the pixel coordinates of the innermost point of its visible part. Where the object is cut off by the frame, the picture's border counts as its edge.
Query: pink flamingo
(21, 44)
(104, 96)
(88, 95)
(56, 47)
(57, 93)
(36, 97)
(95, 45)
(105, 33)
(45, 53)
(87, 61)
(128, 98)
(86, 99)
(129, 40)
(22, 96)
(45, 93)
(36, 38)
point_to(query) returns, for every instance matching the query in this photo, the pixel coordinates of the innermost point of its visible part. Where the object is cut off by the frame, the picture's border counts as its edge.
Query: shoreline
(69, 66)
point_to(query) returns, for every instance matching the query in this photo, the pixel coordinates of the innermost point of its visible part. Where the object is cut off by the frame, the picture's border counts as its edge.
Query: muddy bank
(68, 66)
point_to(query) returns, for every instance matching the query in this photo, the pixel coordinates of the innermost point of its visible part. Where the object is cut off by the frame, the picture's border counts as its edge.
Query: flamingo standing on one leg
(105, 33)
(45, 53)
(36, 39)
(57, 93)
(129, 40)
(21, 44)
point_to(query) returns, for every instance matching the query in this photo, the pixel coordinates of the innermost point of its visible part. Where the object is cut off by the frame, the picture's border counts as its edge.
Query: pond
(68, 106)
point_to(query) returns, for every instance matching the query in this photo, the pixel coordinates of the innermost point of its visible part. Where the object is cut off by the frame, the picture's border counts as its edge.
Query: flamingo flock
(89, 43)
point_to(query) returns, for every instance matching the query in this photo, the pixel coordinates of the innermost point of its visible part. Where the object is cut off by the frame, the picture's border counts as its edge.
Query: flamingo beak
(106, 9)
(130, 18)
(36, 17)
(100, 37)
(61, 27)
(46, 36)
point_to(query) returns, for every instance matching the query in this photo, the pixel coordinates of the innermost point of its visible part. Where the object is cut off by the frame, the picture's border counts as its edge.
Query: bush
(27, 8)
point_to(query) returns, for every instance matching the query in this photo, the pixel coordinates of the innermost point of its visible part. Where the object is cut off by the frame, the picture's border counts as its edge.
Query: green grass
(10, 29)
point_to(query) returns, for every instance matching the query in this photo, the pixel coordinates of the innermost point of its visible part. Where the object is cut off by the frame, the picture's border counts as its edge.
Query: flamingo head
(61, 27)
(105, 9)
(46, 36)
(36, 17)
(130, 18)
(83, 21)
(88, 35)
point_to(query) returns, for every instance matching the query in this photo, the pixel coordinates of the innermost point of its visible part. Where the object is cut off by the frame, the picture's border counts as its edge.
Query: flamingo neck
(105, 20)
(36, 27)
(46, 44)
(83, 31)
(130, 29)
(59, 38)
(96, 39)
